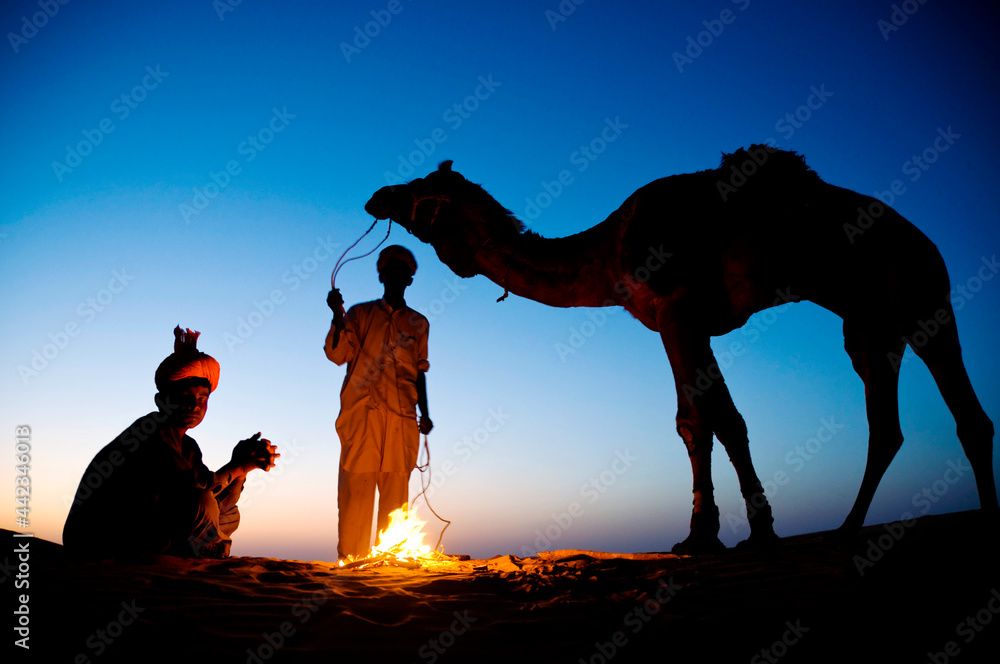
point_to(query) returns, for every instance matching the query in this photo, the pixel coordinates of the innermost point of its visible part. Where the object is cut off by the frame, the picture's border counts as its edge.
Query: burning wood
(401, 544)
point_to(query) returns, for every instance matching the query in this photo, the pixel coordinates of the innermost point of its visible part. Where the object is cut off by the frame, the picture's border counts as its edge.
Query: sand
(928, 591)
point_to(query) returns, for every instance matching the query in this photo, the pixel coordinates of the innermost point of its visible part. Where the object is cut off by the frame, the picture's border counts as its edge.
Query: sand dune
(892, 594)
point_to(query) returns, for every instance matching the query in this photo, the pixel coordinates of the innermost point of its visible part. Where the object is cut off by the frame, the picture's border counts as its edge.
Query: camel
(692, 256)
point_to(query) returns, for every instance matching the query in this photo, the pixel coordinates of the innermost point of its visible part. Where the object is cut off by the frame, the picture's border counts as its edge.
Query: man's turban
(394, 252)
(186, 362)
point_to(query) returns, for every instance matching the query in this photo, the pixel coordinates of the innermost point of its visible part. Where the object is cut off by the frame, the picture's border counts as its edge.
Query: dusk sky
(205, 163)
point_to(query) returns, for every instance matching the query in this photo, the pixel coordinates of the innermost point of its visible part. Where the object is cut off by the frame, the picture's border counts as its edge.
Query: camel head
(453, 215)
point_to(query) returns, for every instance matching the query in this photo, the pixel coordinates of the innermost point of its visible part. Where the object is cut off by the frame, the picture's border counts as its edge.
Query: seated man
(148, 491)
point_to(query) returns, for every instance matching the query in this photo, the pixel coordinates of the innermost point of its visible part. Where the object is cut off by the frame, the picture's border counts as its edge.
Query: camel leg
(695, 429)
(703, 408)
(943, 358)
(871, 354)
(731, 430)
(697, 436)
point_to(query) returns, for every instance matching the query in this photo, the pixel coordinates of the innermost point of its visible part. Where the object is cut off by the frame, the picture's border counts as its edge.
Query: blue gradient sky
(524, 433)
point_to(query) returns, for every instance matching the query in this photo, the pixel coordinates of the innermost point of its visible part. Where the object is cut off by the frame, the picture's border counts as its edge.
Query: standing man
(384, 344)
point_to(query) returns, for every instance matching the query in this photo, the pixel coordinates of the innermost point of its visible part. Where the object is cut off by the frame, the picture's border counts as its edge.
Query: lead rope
(341, 262)
(426, 467)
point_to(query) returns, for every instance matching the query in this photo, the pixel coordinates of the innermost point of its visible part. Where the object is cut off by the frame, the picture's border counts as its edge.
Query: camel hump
(764, 164)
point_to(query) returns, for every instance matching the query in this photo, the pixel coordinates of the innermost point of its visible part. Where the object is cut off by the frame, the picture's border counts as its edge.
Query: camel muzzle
(378, 205)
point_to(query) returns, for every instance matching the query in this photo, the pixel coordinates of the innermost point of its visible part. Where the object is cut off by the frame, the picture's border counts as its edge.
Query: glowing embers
(401, 544)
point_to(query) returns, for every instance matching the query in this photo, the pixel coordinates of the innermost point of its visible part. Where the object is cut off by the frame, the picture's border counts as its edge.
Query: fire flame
(402, 540)
(403, 537)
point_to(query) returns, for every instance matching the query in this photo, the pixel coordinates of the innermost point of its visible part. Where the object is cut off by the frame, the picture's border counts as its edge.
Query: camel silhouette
(692, 256)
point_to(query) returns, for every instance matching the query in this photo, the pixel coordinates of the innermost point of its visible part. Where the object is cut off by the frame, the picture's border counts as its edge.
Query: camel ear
(445, 166)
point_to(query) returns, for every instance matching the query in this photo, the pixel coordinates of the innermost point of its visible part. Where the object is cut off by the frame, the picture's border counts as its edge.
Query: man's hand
(255, 452)
(335, 301)
(424, 424)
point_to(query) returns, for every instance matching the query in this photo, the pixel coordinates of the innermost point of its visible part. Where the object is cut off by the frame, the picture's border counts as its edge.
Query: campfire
(401, 544)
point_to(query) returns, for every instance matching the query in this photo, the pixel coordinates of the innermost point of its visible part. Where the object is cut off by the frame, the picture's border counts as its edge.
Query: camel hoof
(845, 536)
(695, 544)
(759, 542)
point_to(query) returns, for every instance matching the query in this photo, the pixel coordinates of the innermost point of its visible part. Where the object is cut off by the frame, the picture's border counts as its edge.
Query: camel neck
(570, 271)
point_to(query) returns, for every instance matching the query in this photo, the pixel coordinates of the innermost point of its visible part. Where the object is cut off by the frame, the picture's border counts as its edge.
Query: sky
(204, 164)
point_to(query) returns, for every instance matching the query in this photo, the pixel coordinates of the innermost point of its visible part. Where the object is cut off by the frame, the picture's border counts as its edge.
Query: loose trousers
(216, 519)
(355, 502)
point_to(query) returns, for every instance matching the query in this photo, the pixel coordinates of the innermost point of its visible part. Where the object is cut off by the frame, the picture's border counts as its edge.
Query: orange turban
(186, 362)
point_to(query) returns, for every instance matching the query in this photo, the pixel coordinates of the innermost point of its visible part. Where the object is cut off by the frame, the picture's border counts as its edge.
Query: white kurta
(384, 351)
